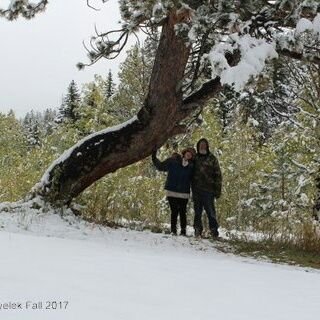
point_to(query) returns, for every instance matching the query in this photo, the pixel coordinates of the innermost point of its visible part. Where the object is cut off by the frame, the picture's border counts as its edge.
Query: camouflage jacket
(207, 174)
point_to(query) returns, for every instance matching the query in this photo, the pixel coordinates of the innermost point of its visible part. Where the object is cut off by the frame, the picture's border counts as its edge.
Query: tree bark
(109, 150)
(316, 206)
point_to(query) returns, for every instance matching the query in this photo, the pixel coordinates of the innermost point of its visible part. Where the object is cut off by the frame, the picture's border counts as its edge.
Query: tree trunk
(316, 206)
(117, 147)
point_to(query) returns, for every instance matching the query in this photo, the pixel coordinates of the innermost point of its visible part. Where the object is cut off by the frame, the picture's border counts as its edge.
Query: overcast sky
(38, 57)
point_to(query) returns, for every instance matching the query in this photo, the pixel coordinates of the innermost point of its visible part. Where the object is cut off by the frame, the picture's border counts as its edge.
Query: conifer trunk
(108, 151)
(316, 206)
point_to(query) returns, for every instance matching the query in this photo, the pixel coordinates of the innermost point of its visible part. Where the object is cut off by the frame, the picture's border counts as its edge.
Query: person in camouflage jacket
(206, 187)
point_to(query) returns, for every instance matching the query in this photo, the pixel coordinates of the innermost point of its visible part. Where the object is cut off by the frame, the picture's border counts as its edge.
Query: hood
(207, 143)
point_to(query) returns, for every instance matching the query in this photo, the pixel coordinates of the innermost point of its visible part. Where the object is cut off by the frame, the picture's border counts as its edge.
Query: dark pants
(204, 200)
(178, 207)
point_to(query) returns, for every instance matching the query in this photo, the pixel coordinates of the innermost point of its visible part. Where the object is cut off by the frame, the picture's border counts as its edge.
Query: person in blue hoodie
(177, 186)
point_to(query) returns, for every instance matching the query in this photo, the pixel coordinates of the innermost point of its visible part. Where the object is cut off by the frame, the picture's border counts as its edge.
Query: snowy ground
(118, 274)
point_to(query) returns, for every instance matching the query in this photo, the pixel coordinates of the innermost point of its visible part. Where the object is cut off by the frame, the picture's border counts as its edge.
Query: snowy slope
(119, 274)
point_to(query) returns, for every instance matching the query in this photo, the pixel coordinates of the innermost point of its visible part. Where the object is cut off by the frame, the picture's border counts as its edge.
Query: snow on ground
(118, 274)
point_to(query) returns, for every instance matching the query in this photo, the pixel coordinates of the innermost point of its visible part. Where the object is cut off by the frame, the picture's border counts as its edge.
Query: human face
(203, 147)
(187, 155)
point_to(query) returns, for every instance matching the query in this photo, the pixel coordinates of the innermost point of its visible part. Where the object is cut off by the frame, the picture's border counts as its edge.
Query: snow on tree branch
(303, 42)
(258, 30)
(254, 53)
(23, 8)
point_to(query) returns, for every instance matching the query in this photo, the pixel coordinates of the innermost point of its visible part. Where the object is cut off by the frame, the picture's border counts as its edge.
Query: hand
(175, 155)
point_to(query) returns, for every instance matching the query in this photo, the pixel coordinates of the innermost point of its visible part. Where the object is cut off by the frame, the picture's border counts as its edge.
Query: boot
(214, 233)
(197, 233)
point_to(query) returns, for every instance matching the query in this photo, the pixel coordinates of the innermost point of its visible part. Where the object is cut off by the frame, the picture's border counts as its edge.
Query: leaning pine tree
(203, 46)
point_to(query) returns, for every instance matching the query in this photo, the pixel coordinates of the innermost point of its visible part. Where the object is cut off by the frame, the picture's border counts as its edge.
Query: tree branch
(197, 99)
(299, 56)
(24, 8)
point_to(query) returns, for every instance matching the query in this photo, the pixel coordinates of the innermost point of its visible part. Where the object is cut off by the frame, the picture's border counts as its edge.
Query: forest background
(266, 139)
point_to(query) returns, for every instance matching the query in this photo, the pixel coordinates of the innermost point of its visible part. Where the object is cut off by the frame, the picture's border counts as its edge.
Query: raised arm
(160, 165)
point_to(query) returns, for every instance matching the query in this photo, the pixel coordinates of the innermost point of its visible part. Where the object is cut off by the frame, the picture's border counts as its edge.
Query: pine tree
(70, 103)
(148, 51)
(269, 100)
(134, 77)
(32, 128)
(49, 118)
(110, 86)
(95, 111)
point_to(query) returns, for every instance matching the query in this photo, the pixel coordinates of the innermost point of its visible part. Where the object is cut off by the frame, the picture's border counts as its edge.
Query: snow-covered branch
(254, 54)
(24, 8)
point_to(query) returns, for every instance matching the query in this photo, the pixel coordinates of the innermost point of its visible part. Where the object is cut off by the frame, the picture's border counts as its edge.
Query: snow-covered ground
(101, 273)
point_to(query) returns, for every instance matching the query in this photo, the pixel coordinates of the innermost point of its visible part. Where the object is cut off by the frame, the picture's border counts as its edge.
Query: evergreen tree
(148, 51)
(95, 111)
(283, 190)
(268, 101)
(70, 103)
(13, 151)
(49, 118)
(31, 125)
(110, 86)
(134, 77)
(273, 99)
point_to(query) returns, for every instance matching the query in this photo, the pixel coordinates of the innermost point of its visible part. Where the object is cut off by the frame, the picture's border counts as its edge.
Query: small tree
(70, 104)
(31, 124)
(110, 85)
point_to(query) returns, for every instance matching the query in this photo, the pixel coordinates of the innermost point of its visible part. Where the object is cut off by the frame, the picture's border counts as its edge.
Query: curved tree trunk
(117, 147)
(114, 148)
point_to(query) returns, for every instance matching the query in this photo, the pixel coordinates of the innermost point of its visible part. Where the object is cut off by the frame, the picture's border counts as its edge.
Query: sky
(38, 57)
